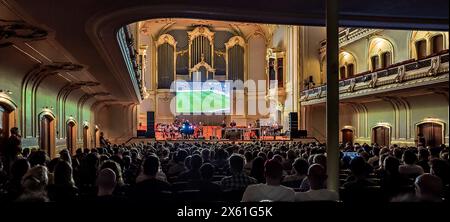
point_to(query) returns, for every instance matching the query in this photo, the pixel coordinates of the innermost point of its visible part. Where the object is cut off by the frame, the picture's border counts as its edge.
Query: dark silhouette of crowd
(223, 171)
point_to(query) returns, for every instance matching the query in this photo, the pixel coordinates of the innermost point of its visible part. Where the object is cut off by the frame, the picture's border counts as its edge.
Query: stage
(221, 133)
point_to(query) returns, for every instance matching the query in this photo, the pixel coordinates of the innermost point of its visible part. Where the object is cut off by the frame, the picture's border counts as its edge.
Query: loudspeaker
(293, 125)
(150, 124)
(293, 121)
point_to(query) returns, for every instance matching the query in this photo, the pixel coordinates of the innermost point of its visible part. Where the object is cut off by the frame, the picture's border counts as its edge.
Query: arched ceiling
(87, 29)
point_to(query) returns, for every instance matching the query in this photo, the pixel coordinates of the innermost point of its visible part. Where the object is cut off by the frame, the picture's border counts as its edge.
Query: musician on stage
(223, 125)
(233, 123)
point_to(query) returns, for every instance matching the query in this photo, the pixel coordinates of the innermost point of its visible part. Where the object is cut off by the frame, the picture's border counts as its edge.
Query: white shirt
(410, 169)
(317, 195)
(260, 192)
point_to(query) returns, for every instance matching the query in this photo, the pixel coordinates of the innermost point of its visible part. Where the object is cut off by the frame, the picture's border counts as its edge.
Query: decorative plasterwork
(10, 30)
(166, 38)
(235, 40)
(201, 31)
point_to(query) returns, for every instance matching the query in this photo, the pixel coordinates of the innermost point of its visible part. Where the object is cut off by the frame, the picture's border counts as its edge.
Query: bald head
(106, 182)
(429, 187)
(317, 176)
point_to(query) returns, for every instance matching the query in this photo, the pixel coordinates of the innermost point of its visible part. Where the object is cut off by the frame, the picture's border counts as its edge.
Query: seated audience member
(409, 168)
(357, 188)
(248, 162)
(300, 168)
(208, 189)
(121, 187)
(194, 172)
(63, 188)
(316, 159)
(206, 156)
(392, 181)
(106, 186)
(14, 186)
(374, 160)
(177, 166)
(238, 180)
(34, 183)
(221, 163)
(288, 163)
(424, 160)
(441, 169)
(257, 170)
(429, 188)
(317, 192)
(272, 190)
(150, 188)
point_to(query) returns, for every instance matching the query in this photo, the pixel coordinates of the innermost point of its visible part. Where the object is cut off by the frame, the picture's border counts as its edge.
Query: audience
(227, 171)
(429, 188)
(272, 190)
(300, 170)
(238, 180)
(410, 168)
(317, 176)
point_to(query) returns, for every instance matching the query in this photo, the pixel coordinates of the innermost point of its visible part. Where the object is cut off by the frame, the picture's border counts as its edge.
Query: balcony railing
(433, 66)
(126, 44)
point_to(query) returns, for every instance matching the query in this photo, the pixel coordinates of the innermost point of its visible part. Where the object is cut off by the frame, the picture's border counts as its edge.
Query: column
(332, 100)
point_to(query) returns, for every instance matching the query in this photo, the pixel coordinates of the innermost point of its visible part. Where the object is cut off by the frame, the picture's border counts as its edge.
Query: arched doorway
(47, 134)
(347, 136)
(381, 135)
(4, 126)
(86, 137)
(432, 133)
(71, 136)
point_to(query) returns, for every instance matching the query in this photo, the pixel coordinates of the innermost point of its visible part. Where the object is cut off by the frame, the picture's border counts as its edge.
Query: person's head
(429, 187)
(151, 166)
(19, 168)
(206, 154)
(441, 169)
(196, 162)
(358, 166)
(398, 153)
(207, 171)
(320, 159)
(278, 158)
(114, 166)
(248, 156)
(63, 174)
(26, 152)
(65, 155)
(236, 163)
(424, 154)
(106, 182)
(391, 165)
(435, 151)
(317, 176)
(300, 166)
(38, 158)
(291, 155)
(35, 180)
(14, 131)
(273, 171)
(409, 157)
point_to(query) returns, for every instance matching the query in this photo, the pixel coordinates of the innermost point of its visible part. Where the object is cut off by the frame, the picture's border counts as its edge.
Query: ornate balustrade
(410, 73)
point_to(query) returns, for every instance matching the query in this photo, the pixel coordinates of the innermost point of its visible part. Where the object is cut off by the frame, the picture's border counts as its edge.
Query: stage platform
(268, 139)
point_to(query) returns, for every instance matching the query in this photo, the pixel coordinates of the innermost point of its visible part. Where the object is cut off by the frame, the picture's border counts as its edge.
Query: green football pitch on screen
(201, 101)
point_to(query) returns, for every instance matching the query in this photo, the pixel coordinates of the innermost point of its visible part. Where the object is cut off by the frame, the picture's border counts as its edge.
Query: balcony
(126, 43)
(407, 74)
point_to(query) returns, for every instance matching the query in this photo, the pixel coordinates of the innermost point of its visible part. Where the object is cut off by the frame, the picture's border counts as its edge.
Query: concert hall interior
(180, 81)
